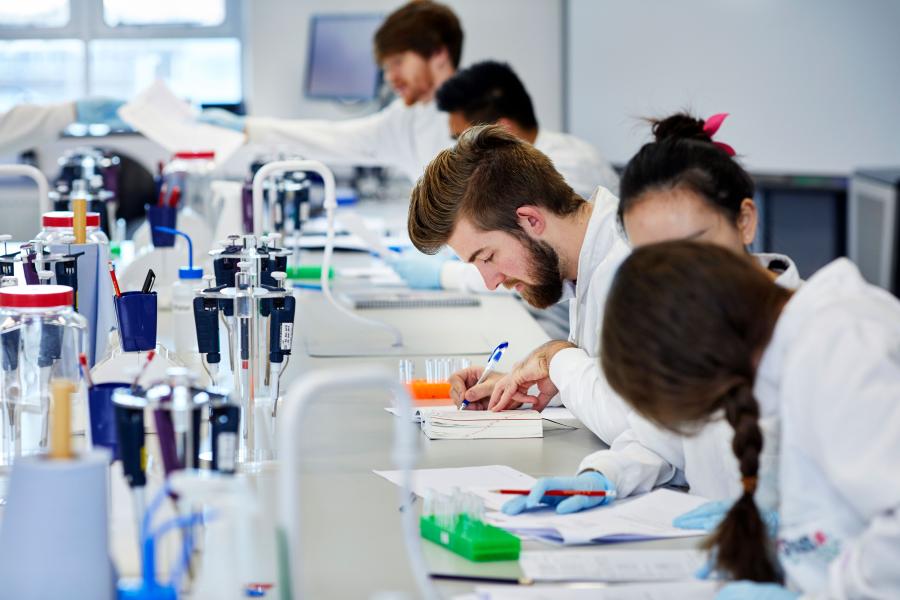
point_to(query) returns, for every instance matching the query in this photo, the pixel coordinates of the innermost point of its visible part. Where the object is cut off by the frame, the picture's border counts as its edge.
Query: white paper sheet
(552, 413)
(685, 590)
(478, 480)
(170, 122)
(618, 566)
(643, 517)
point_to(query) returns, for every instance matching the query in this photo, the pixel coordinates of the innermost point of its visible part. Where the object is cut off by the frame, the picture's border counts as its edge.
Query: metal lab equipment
(257, 310)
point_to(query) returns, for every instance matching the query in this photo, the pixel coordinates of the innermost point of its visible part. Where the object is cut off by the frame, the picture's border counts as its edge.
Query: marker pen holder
(103, 418)
(136, 314)
(161, 216)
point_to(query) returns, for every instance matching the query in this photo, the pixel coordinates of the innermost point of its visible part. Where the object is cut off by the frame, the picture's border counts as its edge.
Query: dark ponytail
(685, 323)
(683, 155)
(741, 542)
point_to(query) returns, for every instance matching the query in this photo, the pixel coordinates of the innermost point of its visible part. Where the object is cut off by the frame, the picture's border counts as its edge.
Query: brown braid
(741, 542)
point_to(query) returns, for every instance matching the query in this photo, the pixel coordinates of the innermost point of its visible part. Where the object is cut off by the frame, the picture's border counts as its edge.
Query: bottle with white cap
(184, 290)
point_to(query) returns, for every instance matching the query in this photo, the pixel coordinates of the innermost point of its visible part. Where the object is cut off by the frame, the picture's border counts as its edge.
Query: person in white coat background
(28, 125)
(720, 340)
(500, 204)
(419, 47)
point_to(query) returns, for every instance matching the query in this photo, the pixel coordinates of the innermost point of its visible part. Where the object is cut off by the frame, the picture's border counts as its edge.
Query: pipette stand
(250, 298)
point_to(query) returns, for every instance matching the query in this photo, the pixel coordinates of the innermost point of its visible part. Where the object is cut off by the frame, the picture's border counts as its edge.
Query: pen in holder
(103, 418)
(161, 216)
(136, 314)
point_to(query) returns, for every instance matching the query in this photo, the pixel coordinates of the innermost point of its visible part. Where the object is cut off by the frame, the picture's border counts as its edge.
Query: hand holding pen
(471, 387)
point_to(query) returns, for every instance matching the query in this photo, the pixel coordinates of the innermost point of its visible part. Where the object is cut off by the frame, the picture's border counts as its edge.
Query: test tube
(406, 370)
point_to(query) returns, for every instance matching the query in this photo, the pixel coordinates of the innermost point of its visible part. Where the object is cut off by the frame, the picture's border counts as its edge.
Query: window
(34, 13)
(58, 50)
(194, 13)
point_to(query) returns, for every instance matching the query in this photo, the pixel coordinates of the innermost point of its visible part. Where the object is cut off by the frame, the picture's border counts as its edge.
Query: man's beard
(545, 270)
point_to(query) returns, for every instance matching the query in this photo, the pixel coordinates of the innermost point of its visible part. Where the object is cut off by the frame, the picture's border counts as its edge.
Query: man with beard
(499, 204)
(418, 46)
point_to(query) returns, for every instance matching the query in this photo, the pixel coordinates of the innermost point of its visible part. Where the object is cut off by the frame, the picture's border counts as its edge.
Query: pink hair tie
(711, 126)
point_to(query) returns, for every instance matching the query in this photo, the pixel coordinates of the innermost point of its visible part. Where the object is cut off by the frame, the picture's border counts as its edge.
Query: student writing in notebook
(500, 204)
(721, 342)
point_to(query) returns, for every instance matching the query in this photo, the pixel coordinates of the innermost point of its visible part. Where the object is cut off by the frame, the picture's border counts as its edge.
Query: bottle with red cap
(191, 174)
(57, 227)
(41, 337)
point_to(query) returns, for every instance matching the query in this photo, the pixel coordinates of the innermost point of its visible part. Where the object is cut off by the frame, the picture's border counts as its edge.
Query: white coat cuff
(603, 462)
(565, 364)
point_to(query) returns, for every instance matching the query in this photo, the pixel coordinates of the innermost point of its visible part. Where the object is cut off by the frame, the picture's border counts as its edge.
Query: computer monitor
(341, 64)
(873, 225)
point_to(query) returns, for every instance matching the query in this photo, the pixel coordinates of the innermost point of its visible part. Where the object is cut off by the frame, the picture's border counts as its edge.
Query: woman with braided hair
(693, 333)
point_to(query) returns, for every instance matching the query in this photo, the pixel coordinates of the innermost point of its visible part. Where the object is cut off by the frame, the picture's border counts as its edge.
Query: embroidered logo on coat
(817, 544)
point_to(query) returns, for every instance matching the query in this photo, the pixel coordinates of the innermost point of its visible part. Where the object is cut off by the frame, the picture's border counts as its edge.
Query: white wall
(812, 85)
(525, 33)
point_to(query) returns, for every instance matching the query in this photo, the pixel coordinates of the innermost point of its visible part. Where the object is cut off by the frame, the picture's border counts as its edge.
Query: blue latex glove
(99, 111)
(748, 590)
(708, 516)
(222, 118)
(589, 481)
(419, 271)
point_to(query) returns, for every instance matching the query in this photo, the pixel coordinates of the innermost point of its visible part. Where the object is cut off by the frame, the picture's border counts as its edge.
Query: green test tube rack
(471, 538)
(308, 272)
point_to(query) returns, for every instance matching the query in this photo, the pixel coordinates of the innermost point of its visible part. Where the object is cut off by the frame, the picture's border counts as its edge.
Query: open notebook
(440, 423)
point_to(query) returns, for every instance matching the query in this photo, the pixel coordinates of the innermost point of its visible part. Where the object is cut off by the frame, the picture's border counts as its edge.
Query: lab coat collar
(781, 264)
(597, 241)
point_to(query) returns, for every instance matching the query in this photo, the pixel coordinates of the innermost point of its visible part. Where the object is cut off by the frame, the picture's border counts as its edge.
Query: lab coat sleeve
(28, 125)
(853, 406)
(584, 391)
(373, 138)
(640, 459)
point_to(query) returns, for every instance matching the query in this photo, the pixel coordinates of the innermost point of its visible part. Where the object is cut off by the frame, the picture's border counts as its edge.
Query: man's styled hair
(423, 27)
(485, 177)
(487, 92)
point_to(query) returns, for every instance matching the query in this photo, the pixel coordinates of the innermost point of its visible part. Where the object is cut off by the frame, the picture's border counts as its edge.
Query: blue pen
(495, 357)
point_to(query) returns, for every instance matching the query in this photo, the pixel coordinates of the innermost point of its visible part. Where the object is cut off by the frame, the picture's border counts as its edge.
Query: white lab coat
(29, 125)
(400, 136)
(645, 456)
(834, 369)
(576, 371)
(580, 164)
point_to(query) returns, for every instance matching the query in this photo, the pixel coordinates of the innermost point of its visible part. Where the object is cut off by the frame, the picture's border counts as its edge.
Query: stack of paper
(477, 480)
(639, 518)
(643, 517)
(170, 122)
(682, 590)
(453, 424)
(613, 566)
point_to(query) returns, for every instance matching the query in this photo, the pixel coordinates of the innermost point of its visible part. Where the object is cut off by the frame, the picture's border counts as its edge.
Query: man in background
(418, 46)
(490, 93)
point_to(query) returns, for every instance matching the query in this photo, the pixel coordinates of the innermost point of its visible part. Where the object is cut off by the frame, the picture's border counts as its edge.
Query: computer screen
(340, 63)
